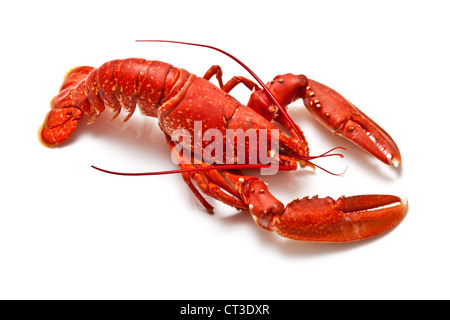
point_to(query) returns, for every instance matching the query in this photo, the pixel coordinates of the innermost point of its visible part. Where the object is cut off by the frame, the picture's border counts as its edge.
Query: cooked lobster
(183, 101)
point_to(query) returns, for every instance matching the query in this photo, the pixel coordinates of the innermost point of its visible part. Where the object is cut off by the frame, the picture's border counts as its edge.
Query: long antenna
(224, 167)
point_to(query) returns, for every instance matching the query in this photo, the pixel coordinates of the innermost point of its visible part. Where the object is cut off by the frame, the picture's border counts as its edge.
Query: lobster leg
(259, 102)
(217, 71)
(233, 82)
(233, 189)
(211, 183)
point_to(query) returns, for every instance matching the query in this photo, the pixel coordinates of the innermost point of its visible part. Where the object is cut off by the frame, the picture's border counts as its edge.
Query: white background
(68, 231)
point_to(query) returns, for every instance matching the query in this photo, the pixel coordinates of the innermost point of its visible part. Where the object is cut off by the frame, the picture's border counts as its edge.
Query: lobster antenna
(327, 154)
(282, 110)
(225, 167)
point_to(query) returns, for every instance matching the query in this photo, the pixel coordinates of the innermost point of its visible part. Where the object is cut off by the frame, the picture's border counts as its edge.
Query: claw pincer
(342, 220)
(324, 219)
(343, 118)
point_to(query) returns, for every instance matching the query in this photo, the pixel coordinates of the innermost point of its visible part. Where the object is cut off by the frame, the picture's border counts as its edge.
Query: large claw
(343, 118)
(324, 219)
(342, 220)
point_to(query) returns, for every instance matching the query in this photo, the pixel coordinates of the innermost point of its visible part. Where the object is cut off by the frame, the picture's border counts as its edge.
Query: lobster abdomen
(117, 85)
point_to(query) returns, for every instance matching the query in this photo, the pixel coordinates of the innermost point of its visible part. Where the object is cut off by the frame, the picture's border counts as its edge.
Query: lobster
(181, 100)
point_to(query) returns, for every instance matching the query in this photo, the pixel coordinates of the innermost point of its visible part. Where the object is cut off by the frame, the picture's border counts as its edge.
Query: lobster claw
(342, 220)
(343, 118)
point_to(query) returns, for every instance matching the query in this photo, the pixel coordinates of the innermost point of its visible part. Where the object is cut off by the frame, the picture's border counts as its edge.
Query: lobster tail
(67, 107)
(123, 84)
(60, 124)
(117, 85)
